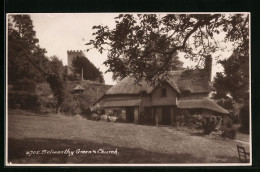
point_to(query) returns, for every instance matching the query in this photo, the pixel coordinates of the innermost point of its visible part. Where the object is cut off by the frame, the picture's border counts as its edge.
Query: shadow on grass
(17, 149)
(224, 159)
(28, 112)
(197, 134)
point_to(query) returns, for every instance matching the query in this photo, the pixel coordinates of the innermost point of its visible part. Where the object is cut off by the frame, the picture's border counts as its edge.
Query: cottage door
(166, 115)
(130, 114)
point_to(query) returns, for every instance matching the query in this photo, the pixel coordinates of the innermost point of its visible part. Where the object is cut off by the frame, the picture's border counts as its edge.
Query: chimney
(208, 65)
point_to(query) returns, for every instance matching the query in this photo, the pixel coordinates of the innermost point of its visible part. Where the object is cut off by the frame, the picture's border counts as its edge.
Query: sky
(59, 32)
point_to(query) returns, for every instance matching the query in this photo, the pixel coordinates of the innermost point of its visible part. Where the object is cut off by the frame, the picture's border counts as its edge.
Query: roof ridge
(195, 81)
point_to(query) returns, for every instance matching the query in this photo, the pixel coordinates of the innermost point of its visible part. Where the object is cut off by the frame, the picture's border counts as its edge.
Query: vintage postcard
(128, 89)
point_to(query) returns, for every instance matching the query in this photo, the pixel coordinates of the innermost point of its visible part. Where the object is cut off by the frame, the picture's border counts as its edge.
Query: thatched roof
(195, 81)
(78, 88)
(204, 103)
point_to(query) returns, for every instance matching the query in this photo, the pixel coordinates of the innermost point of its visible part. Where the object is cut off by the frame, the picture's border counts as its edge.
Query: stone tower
(71, 55)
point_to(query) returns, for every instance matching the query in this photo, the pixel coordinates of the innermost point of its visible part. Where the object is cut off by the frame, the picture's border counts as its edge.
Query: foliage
(70, 106)
(47, 104)
(23, 100)
(95, 117)
(146, 45)
(73, 103)
(27, 60)
(210, 122)
(72, 77)
(24, 53)
(181, 117)
(86, 112)
(235, 78)
(229, 133)
(23, 95)
(232, 106)
(244, 118)
(197, 120)
(98, 110)
(121, 118)
(25, 84)
(90, 72)
(57, 80)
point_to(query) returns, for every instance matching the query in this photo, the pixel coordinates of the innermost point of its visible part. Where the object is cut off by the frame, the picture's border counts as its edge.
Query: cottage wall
(109, 110)
(169, 99)
(146, 101)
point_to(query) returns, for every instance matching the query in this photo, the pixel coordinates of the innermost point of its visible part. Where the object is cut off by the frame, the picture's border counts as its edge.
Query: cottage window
(164, 92)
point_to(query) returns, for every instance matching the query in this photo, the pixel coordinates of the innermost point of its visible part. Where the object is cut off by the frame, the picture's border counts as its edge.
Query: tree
(90, 72)
(26, 59)
(56, 77)
(143, 45)
(23, 49)
(234, 81)
(244, 118)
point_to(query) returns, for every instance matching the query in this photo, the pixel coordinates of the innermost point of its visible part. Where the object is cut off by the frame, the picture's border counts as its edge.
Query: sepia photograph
(128, 89)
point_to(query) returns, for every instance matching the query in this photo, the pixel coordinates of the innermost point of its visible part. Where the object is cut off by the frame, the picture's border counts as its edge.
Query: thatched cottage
(185, 89)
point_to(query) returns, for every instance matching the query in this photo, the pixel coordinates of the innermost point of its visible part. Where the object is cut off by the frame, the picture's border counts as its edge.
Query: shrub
(43, 89)
(229, 133)
(23, 100)
(75, 103)
(229, 124)
(25, 85)
(86, 113)
(244, 118)
(104, 118)
(102, 112)
(185, 118)
(98, 110)
(197, 121)
(47, 104)
(121, 118)
(71, 106)
(182, 116)
(95, 117)
(72, 77)
(232, 106)
(210, 122)
(219, 123)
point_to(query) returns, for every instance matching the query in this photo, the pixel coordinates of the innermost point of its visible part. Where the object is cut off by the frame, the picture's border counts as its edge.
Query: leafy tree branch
(143, 45)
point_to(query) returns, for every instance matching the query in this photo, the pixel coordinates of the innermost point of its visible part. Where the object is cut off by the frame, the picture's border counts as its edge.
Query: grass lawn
(28, 131)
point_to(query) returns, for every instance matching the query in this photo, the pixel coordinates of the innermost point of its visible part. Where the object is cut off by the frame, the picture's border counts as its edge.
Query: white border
(130, 165)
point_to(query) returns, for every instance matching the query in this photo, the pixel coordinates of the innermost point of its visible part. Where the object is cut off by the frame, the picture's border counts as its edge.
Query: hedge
(23, 100)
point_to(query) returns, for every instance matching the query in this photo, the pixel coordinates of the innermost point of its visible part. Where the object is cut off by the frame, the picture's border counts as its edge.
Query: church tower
(71, 55)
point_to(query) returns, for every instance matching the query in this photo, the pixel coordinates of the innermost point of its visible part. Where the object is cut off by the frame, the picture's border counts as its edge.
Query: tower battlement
(71, 55)
(74, 51)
